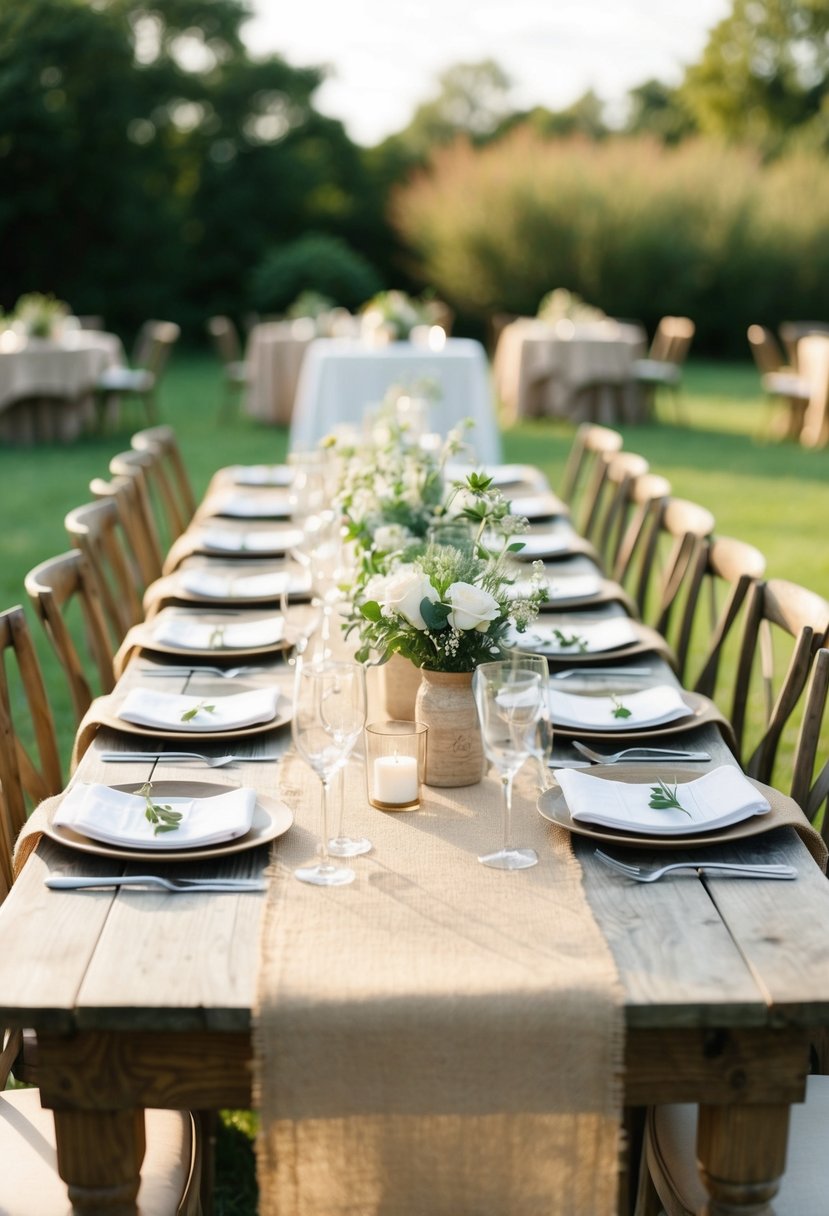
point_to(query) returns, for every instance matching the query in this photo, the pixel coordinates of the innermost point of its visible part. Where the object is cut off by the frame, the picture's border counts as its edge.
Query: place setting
(257, 504)
(216, 539)
(211, 634)
(167, 821)
(668, 806)
(582, 640)
(230, 584)
(658, 710)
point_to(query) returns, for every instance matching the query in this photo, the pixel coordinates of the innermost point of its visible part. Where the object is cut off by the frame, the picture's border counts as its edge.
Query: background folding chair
(663, 366)
(141, 380)
(235, 374)
(780, 381)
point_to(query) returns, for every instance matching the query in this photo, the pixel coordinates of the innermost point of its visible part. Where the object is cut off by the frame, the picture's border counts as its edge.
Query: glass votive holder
(395, 764)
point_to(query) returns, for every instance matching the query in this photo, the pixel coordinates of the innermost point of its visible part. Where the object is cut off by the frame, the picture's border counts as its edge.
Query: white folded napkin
(118, 818)
(262, 474)
(501, 474)
(251, 506)
(181, 631)
(575, 639)
(649, 707)
(544, 544)
(536, 506)
(273, 541)
(168, 710)
(569, 587)
(232, 586)
(720, 797)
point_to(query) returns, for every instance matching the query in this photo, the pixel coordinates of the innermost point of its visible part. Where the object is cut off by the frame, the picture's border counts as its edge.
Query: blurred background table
(274, 357)
(47, 386)
(340, 378)
(581, 371)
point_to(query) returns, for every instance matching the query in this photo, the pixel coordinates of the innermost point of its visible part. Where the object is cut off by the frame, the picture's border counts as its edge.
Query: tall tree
(764, 73)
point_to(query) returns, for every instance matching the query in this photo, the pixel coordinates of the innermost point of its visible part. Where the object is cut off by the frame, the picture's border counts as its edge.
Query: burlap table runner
(438, 1037)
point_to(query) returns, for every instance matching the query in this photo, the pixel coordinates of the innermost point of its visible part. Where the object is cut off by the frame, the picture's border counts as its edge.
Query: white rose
(472, 607)
(375, 589)
(390, 537)
(405, 589)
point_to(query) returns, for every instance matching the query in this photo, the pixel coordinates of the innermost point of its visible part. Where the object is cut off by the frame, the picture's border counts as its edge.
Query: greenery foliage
(314, 263)
(636, 227)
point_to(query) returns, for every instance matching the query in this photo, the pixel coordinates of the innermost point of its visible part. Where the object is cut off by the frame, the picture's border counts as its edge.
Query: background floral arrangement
(39, 316)
(398, 313)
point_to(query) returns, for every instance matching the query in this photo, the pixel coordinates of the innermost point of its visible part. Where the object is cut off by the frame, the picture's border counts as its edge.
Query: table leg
(741, 1152)
(99, 1158)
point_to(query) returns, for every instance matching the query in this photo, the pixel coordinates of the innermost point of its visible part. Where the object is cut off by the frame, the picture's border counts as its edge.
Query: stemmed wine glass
(321, 552)
(542, 748)
(329, 715)
(510, 703)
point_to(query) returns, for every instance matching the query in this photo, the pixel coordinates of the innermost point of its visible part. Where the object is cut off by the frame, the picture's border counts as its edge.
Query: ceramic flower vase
(454, 751)
(399, 681)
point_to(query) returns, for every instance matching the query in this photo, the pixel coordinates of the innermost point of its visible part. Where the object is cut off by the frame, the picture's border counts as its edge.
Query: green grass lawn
(775, 496)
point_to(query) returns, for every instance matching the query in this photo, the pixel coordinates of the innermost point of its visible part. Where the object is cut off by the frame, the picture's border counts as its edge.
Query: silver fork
(66, 882)
(586, 672)
(227, 673)
(638, 753)
(736, 870)
(210, 761)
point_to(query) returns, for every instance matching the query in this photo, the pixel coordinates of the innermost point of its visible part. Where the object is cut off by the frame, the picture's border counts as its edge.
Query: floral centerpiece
(564, 305)
(447, 607)
(396, 314)
(39, 316)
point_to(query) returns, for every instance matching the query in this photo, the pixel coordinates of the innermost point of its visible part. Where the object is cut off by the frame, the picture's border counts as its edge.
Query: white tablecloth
(543, 369)
(46, 386)
(341, 378)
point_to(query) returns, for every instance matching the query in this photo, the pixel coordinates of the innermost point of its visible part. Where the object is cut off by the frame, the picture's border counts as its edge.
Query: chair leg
(648, 1202)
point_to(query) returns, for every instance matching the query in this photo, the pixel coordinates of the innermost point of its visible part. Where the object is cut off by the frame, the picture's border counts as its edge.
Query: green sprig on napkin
(663, 798)
(161, 816)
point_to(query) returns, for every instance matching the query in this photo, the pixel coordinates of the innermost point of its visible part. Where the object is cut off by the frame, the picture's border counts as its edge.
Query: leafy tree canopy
(764, 74)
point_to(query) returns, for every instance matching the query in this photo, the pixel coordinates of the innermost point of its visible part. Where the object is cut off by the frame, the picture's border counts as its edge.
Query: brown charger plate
(104, 718)
(175, 591)
(649, 642)
(701, 712)
(271, 818)
(141, 635)
(552, 805)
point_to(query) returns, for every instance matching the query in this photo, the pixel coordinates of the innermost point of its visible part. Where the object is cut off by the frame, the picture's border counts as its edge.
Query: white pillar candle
(395, 780)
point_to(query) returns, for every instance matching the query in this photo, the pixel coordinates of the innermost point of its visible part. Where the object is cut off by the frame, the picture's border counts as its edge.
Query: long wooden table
(143, 999)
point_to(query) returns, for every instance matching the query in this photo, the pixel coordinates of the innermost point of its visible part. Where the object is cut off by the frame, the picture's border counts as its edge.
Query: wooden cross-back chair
(647, 494)
(162, 441)
(607, 501)
(136, 521)
(723, 571)
(95, 528)
(26, 776)
(775, 610)
(53, 588)
(810, 782)
(157, 503)
(670, 532)
(589, 443)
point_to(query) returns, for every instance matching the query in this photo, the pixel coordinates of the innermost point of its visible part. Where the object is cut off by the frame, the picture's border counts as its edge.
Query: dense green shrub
(318, 263)
(635, 227)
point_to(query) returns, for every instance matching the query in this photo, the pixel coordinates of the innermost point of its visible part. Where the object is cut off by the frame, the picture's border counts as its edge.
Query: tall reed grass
(633, 226)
